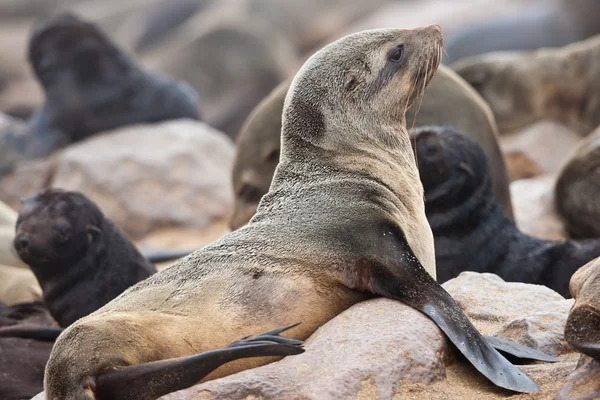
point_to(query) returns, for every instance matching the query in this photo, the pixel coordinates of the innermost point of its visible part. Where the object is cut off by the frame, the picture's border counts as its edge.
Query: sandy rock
(26, 179)
(533, 206)
(148, 177)
(364, 352)
(583, 384)
(538, 149)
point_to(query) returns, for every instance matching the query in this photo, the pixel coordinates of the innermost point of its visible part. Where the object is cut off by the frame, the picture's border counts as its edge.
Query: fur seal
(448, 101)
(470, 228)
(541, 23)
(91, 86)
(576, 190)
(344, 221)
(582, 330)
(79, 257)
(523, 87)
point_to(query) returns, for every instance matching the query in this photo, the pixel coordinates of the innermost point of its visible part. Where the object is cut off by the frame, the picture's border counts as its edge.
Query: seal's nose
(22, 241)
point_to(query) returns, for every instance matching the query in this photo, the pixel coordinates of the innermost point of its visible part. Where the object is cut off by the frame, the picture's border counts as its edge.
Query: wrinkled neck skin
(567, 80)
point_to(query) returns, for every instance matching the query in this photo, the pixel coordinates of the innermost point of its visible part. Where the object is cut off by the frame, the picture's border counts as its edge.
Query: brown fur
(346, 158)
(578, 188)
(448, 101)
(582, 330)
(526, 86)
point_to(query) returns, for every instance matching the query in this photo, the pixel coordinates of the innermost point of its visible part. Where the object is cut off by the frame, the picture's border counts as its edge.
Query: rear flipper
(31, 332)
(398, 274)
(155, 379)
(513, 350)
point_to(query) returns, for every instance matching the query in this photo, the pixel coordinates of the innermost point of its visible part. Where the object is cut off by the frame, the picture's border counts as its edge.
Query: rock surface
(146, 178)
(533, 206)
(541, 148)
(583, 384)
(381, 349)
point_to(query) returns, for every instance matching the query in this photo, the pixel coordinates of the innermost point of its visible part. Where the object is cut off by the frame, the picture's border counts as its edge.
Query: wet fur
(471, 230)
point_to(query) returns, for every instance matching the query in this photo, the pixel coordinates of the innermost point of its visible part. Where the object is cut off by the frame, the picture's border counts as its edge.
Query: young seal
(582, 330)
(448, 101)
(344, 221)
(79, 257)
(526, 86)
(540, 23)
(470, 229)
(576, 191)
(91, 86)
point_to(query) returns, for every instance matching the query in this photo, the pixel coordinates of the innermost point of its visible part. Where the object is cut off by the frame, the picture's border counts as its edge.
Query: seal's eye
(250, 193)
(397, 55)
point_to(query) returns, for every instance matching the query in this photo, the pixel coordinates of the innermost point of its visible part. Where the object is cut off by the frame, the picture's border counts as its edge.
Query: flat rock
(533, 206)
(541, 148)
(583, 384)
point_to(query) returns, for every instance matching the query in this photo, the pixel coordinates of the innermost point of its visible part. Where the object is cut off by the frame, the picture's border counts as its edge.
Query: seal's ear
(93, 232)
(350, 82)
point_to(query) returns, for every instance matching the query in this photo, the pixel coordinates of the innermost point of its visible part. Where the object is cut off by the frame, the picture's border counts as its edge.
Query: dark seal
(91, 86)
(472, 232)
(81, 259)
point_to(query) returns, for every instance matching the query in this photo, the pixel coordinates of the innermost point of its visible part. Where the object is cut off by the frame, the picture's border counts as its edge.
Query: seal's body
(91, 86)
(344, 220)
(448, 101)
(470, 229)
(542, 23)
(522, 87)
(79, 257)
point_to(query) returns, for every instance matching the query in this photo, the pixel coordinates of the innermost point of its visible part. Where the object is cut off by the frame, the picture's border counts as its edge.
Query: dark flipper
(512, 349)
(165, 255)
(399, 275)
(155, 379)
(31, 332)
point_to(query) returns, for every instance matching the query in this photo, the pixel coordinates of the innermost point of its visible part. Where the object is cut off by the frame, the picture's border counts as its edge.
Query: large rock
(533, 206)
(381, 349)
(149, 177)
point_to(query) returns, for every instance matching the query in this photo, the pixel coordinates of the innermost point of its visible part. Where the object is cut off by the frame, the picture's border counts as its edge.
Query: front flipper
(513, 349)
(31, 332)
(155, 379)
(396, 273)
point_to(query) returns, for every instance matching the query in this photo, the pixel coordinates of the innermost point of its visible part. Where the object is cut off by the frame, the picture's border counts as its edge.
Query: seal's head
(55, 229)
(582, 330)
(67, 50)
(371, 78)
(503, 80)
(452, 166)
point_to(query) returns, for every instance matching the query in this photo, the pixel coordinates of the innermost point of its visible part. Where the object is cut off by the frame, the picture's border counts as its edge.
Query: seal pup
(541, 23)
(91, 86)
(80, 258)
(582, 330)
(523, 87)
(344, 221)
(471, 230)
(448, 101)
(576, 190)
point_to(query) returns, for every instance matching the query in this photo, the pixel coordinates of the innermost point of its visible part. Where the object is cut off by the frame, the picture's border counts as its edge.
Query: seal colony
(91, 85)
(470, 228)
(344, 221)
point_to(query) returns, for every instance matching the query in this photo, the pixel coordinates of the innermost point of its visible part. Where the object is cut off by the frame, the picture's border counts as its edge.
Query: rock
(148, 177)
(583, 384)
(538, 149)
(26, 179)
(365, 352)
(533, 206)
(381, 349)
